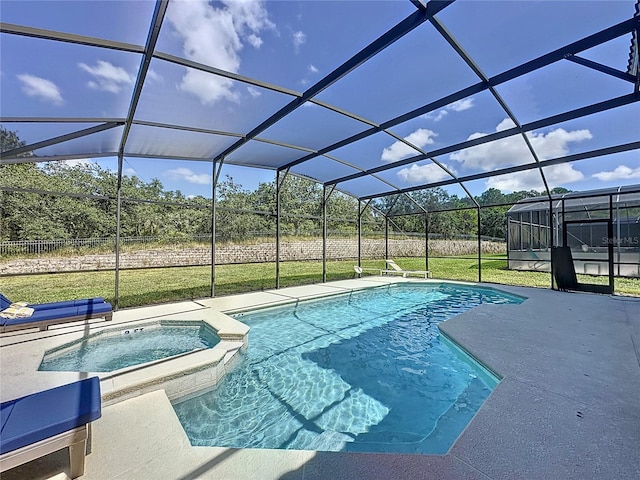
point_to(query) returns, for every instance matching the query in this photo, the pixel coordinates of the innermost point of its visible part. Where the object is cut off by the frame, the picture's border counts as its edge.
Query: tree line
(79, 202)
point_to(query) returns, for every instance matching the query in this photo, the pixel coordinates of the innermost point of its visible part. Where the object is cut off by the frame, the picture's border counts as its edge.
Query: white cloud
(299, 38)
(254, 92)
(556, 175)
(189, 175)
(40, 88)
(313, 69)
(457, 106)
(620, 172)
(439, 116)
(214, 36)
(505, 124)
(155, 76)
(254, 40)
(461, 105)
(514, 151)
(248, 15)
(424, 173)
(107, 76)
(398, 150)
(130, 172)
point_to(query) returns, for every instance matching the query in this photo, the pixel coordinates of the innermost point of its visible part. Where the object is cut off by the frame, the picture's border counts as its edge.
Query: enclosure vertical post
(479, 250)
(118, 229)
(359, 233)
(277, 229)
(386, 237)
(279, 183)
(117, 272)
(507, 231)
(326, 193)
(551, 240)
(610, 245)
(564, 229)
(618, 232)
(214, 182)
(324, 233)
(520, 234)
(426, 240)
(212, 280)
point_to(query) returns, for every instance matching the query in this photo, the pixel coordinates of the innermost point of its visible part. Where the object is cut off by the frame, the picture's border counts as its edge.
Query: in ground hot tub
(180, 355)
(115, 349)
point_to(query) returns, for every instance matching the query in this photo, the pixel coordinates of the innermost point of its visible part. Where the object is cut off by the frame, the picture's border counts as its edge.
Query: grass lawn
(160, 285)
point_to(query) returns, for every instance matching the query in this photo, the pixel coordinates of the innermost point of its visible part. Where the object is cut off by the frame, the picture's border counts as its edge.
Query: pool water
(115, 349)
(364, 372)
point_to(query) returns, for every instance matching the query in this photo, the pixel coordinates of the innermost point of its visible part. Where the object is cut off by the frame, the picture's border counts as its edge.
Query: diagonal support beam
(448, 36)
(601, 152)
(328, 192)
(362, 210)
(391, 36)
(603, 36)
(602, 68)
(152, 39)
(545, 122)
(61, 120)
(68, 38)
(280, 179)
(55, 158)
(60, 139)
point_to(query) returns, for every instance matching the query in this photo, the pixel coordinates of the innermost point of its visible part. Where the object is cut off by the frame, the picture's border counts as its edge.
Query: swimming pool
(116, 348)
(366, 371)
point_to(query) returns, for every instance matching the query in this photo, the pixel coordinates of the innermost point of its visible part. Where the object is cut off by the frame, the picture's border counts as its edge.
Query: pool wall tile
(178, 377)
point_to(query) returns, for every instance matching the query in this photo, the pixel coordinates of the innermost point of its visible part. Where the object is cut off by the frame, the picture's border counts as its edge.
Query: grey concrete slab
(156, 447)
(309, 291)
(371, 466)
(525, 431)
(632, 308)
(237, 302)
(567, 406)
(576, 345)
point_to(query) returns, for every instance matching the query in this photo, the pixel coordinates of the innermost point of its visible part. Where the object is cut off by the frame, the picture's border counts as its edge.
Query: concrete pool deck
(568, 405)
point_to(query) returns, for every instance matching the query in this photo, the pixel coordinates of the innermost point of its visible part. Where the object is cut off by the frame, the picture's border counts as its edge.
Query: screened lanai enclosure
(151, 146)
(588, 222)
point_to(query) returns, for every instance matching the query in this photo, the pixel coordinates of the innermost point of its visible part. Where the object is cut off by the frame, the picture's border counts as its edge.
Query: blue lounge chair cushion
(5, 302)
(5, 411)
(35, 417)
(67, 303)
(65, 312)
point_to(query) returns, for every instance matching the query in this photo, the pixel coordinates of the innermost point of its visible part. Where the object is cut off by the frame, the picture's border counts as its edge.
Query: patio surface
(568, 406)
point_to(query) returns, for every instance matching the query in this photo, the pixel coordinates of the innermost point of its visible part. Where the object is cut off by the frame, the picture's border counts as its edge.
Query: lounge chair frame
(50, 420)
(397, 270)
(76, 440)
(359, 270)
(84, 311)
(43, 325)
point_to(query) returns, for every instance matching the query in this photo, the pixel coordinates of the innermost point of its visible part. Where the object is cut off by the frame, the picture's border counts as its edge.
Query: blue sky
(293, 45)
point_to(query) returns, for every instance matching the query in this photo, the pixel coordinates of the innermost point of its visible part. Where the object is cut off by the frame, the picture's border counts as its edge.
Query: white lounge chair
(359, 270)
(394, 268)
(47, 421)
